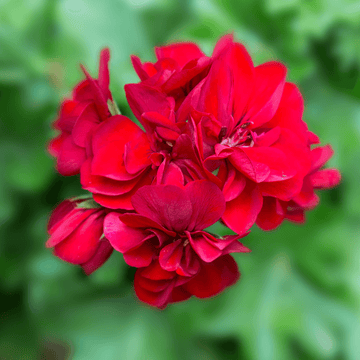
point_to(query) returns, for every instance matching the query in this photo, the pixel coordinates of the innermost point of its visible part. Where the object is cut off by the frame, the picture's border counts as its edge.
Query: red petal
(62, 229)
(204, 248)
(116, 128)
(103, 252)
(141, 256)
(87, 121)
(283, 190)
(136, 155)
(271, 215)
(103, 185)
(181, 52)
(59, 213)
(155, 272)
(122, 201)
(208, 204)
(168, 205)
(234, 184)
(143, 98)
(213, 277)
(81, 245)
(257, 162)
(241, 213)
(320, 156)
(122, 237)
(325, 179)
(70, 158)
(173, 175)
(104, 77)
(170, 256)
(290, 111)
(268, 89)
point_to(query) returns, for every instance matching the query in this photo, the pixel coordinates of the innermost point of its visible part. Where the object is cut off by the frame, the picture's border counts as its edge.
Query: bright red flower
(168, 228)
(79, 116)
(274, 211)
(76, 234)
(247, 122)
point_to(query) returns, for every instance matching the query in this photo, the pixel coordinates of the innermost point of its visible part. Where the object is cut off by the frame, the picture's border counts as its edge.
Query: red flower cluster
(221, 139)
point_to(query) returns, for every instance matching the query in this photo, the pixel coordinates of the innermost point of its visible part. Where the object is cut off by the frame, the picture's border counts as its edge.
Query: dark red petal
(60, 212)
(122, 237)
(241, 213)
(271, 215)
(139, 221)
(208, 204)
(155, 272)
(140, 256)
(67, 225)
(70, 158)
(170, 255)
(103, 252)
(182, 53)
(81, 245)
(168, 205)
(325, 179)
(159, 299)
(213, 277)
(179, 294)
(268, 89)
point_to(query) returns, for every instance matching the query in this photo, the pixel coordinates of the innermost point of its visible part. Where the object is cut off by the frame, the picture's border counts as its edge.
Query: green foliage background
(299, 297)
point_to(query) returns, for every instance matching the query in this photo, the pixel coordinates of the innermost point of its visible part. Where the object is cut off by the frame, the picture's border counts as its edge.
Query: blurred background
(299, 297)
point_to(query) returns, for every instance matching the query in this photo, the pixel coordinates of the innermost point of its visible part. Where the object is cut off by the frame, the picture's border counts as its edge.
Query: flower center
(241, 136)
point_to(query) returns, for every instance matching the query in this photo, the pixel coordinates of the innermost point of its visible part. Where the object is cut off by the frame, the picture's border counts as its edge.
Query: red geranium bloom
(168, 227)
(247, 122)
(274, 211)
(78, 116)
(76, 234)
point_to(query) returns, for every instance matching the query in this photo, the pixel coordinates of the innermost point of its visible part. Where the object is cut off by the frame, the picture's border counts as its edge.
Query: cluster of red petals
(76, 234)
(167, 232)
(245, 123)
(220, 139)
